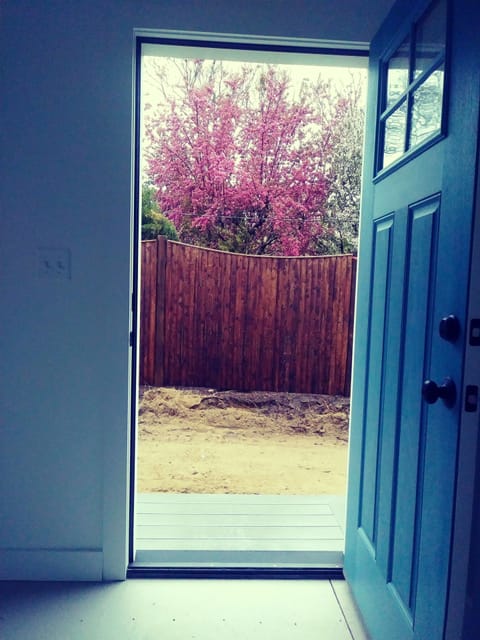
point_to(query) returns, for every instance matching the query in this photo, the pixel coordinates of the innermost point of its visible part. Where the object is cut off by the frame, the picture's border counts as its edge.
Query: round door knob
(431, 391)
(449, 328)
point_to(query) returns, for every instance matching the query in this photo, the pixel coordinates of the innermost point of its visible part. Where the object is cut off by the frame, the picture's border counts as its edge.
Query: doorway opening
(234, 468)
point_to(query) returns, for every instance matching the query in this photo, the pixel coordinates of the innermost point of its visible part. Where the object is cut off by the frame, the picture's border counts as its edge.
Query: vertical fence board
(210, 318)
(351, 317)
(160, 316)
(148, 296)
(239, 337)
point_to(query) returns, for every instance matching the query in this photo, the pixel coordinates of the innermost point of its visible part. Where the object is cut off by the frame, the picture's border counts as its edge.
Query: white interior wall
(65, 178)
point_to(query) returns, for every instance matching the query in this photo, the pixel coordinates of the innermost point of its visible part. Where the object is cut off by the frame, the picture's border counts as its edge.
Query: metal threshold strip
(241, 564)
(140, 570)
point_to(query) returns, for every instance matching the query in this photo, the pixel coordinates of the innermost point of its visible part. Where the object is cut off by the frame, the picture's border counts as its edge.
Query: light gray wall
(65, 175)
(65, 183)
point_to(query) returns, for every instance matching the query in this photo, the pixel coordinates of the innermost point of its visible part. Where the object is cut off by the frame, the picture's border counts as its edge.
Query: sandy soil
(207, 441)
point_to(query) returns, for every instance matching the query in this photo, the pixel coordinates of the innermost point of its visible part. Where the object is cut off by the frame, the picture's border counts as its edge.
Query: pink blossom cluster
(230, 148)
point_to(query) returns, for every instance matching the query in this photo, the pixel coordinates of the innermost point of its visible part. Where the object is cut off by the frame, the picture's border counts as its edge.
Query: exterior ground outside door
(417, 215)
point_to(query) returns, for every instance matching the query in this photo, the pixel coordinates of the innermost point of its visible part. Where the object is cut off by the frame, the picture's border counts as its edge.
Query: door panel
(381, 277)
(413, 270)
(410, 433)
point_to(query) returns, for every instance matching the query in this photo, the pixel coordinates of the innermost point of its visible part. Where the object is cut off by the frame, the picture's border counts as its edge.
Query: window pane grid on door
(413, 89)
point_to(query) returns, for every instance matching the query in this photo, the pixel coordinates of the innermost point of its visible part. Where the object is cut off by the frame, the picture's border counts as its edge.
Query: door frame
(467, 459)
(353, 56)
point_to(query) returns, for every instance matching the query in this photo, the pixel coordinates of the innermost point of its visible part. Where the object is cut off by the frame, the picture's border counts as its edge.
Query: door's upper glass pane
(413, 87)
(397, 74)
(426, 118)
(430, 36)
(394, 135)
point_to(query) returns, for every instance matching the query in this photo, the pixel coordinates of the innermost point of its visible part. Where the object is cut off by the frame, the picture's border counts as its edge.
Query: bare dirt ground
(207, 441)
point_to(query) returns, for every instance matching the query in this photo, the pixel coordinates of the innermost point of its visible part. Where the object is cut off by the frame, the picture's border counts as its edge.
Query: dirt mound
(208, 441)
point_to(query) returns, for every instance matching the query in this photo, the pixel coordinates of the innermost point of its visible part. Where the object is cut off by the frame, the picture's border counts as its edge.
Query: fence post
(348, 368)
(159, 367)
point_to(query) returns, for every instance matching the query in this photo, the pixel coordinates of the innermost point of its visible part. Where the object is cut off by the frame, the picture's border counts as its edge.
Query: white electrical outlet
(54, 263)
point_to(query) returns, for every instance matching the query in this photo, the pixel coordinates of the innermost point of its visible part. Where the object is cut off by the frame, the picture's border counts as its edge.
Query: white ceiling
(342, 22)
(361, 17)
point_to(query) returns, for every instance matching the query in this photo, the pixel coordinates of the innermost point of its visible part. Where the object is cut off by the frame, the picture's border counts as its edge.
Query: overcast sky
(340, 75)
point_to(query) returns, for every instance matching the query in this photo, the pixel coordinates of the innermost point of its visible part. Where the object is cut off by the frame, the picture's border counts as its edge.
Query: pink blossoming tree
(241, 164)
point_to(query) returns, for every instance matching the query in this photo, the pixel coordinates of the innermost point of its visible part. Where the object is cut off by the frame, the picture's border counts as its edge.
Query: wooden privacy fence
(230, 321)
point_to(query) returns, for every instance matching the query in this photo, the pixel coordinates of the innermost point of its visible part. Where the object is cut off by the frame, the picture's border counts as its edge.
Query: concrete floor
(151, 609)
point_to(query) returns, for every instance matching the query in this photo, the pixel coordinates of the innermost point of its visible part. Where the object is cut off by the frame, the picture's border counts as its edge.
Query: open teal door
(407, 393)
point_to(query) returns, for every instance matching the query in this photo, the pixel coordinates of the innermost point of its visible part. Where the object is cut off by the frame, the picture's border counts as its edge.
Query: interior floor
(185, 609)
